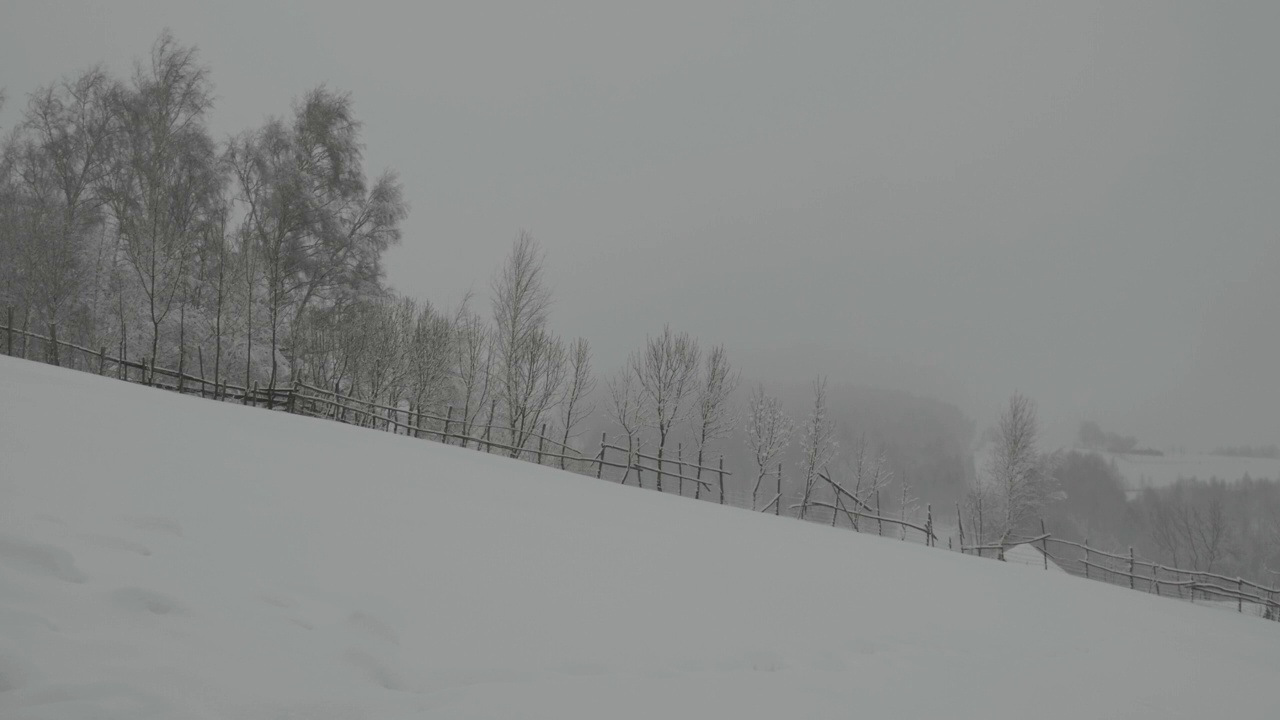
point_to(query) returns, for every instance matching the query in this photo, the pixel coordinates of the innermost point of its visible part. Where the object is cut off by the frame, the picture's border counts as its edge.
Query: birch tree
(472, 366)
(628, 410)
(579, 384)
(166, 170)
(1020, 475)
(430, 353)
(667, 372)
(769, 432)
(69, 129)
(529, 360)
(712, 418)
(818, 445)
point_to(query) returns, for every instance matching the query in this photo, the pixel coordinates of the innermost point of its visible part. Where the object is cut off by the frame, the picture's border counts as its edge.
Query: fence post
(102, 360)
(542, 436)
(1155, 578)
(721, 473)
(255, 393)
(26, 325)
(53, 344)
(659, 471)
(928, 525)
(1044, 544)
(879, 521)
(600, 466)
(1130, 567)
(289, 403)
(777, 505)
(1239, 595)
(146, 374)
(680, 466)
(1086, 558)
(960, 524)
(9, 332)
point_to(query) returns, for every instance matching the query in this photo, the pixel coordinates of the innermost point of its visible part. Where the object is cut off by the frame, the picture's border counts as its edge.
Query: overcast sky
(1078, 200)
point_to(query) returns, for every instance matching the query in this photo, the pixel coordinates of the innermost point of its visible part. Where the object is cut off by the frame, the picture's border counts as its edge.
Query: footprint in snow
(39, 559)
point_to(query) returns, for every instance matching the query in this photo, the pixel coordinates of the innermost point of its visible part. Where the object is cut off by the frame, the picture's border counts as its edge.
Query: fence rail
(305, 399)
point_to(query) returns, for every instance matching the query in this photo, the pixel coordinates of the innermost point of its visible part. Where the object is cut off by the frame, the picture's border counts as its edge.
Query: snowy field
(169, 557)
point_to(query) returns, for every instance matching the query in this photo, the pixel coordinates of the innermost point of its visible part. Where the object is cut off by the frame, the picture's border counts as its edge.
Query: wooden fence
(1127, 569)
(304, 399)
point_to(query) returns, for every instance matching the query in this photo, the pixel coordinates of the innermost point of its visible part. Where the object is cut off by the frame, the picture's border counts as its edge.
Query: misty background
(1074, 200)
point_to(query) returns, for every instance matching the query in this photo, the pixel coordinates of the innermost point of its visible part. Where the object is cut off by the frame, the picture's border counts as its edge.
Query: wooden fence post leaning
(1044, 544)
(542, 436)
(960, 524)
(879, 520)
(928, 525)
(600, 466)
(1130, 567)
(1155, 578)
(1086, 558)
(1239, 595)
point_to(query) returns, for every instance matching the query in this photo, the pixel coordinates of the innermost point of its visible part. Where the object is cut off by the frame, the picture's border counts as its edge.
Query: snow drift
(169, 557)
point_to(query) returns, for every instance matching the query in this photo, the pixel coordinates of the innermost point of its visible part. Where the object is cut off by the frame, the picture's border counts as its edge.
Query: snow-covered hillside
(168, 557)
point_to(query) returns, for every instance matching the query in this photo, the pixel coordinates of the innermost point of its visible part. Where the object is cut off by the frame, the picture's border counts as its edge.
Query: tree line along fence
(845, 509)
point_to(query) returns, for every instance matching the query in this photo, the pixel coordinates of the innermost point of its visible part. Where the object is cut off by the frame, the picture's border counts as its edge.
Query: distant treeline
(1271, 452)
(1231, 528)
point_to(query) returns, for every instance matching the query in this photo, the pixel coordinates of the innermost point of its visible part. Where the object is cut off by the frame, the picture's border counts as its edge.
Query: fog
(1073, 200)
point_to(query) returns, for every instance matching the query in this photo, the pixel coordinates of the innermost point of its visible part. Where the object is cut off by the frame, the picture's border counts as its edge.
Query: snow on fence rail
(304, 399)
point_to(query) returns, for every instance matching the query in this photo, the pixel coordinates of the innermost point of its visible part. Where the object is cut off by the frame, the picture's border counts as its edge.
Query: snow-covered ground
(169, 557)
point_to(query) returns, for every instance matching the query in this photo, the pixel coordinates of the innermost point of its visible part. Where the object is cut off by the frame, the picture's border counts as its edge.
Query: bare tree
(712, 418)
(818, 445)
(578, 387)
(628, 409)
(319, 229)
(530, 361)
(430, 354)
(769, 432)
(1020, 474)
(69, 129)
(667, 371)
(472, 365)
(165, 172)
